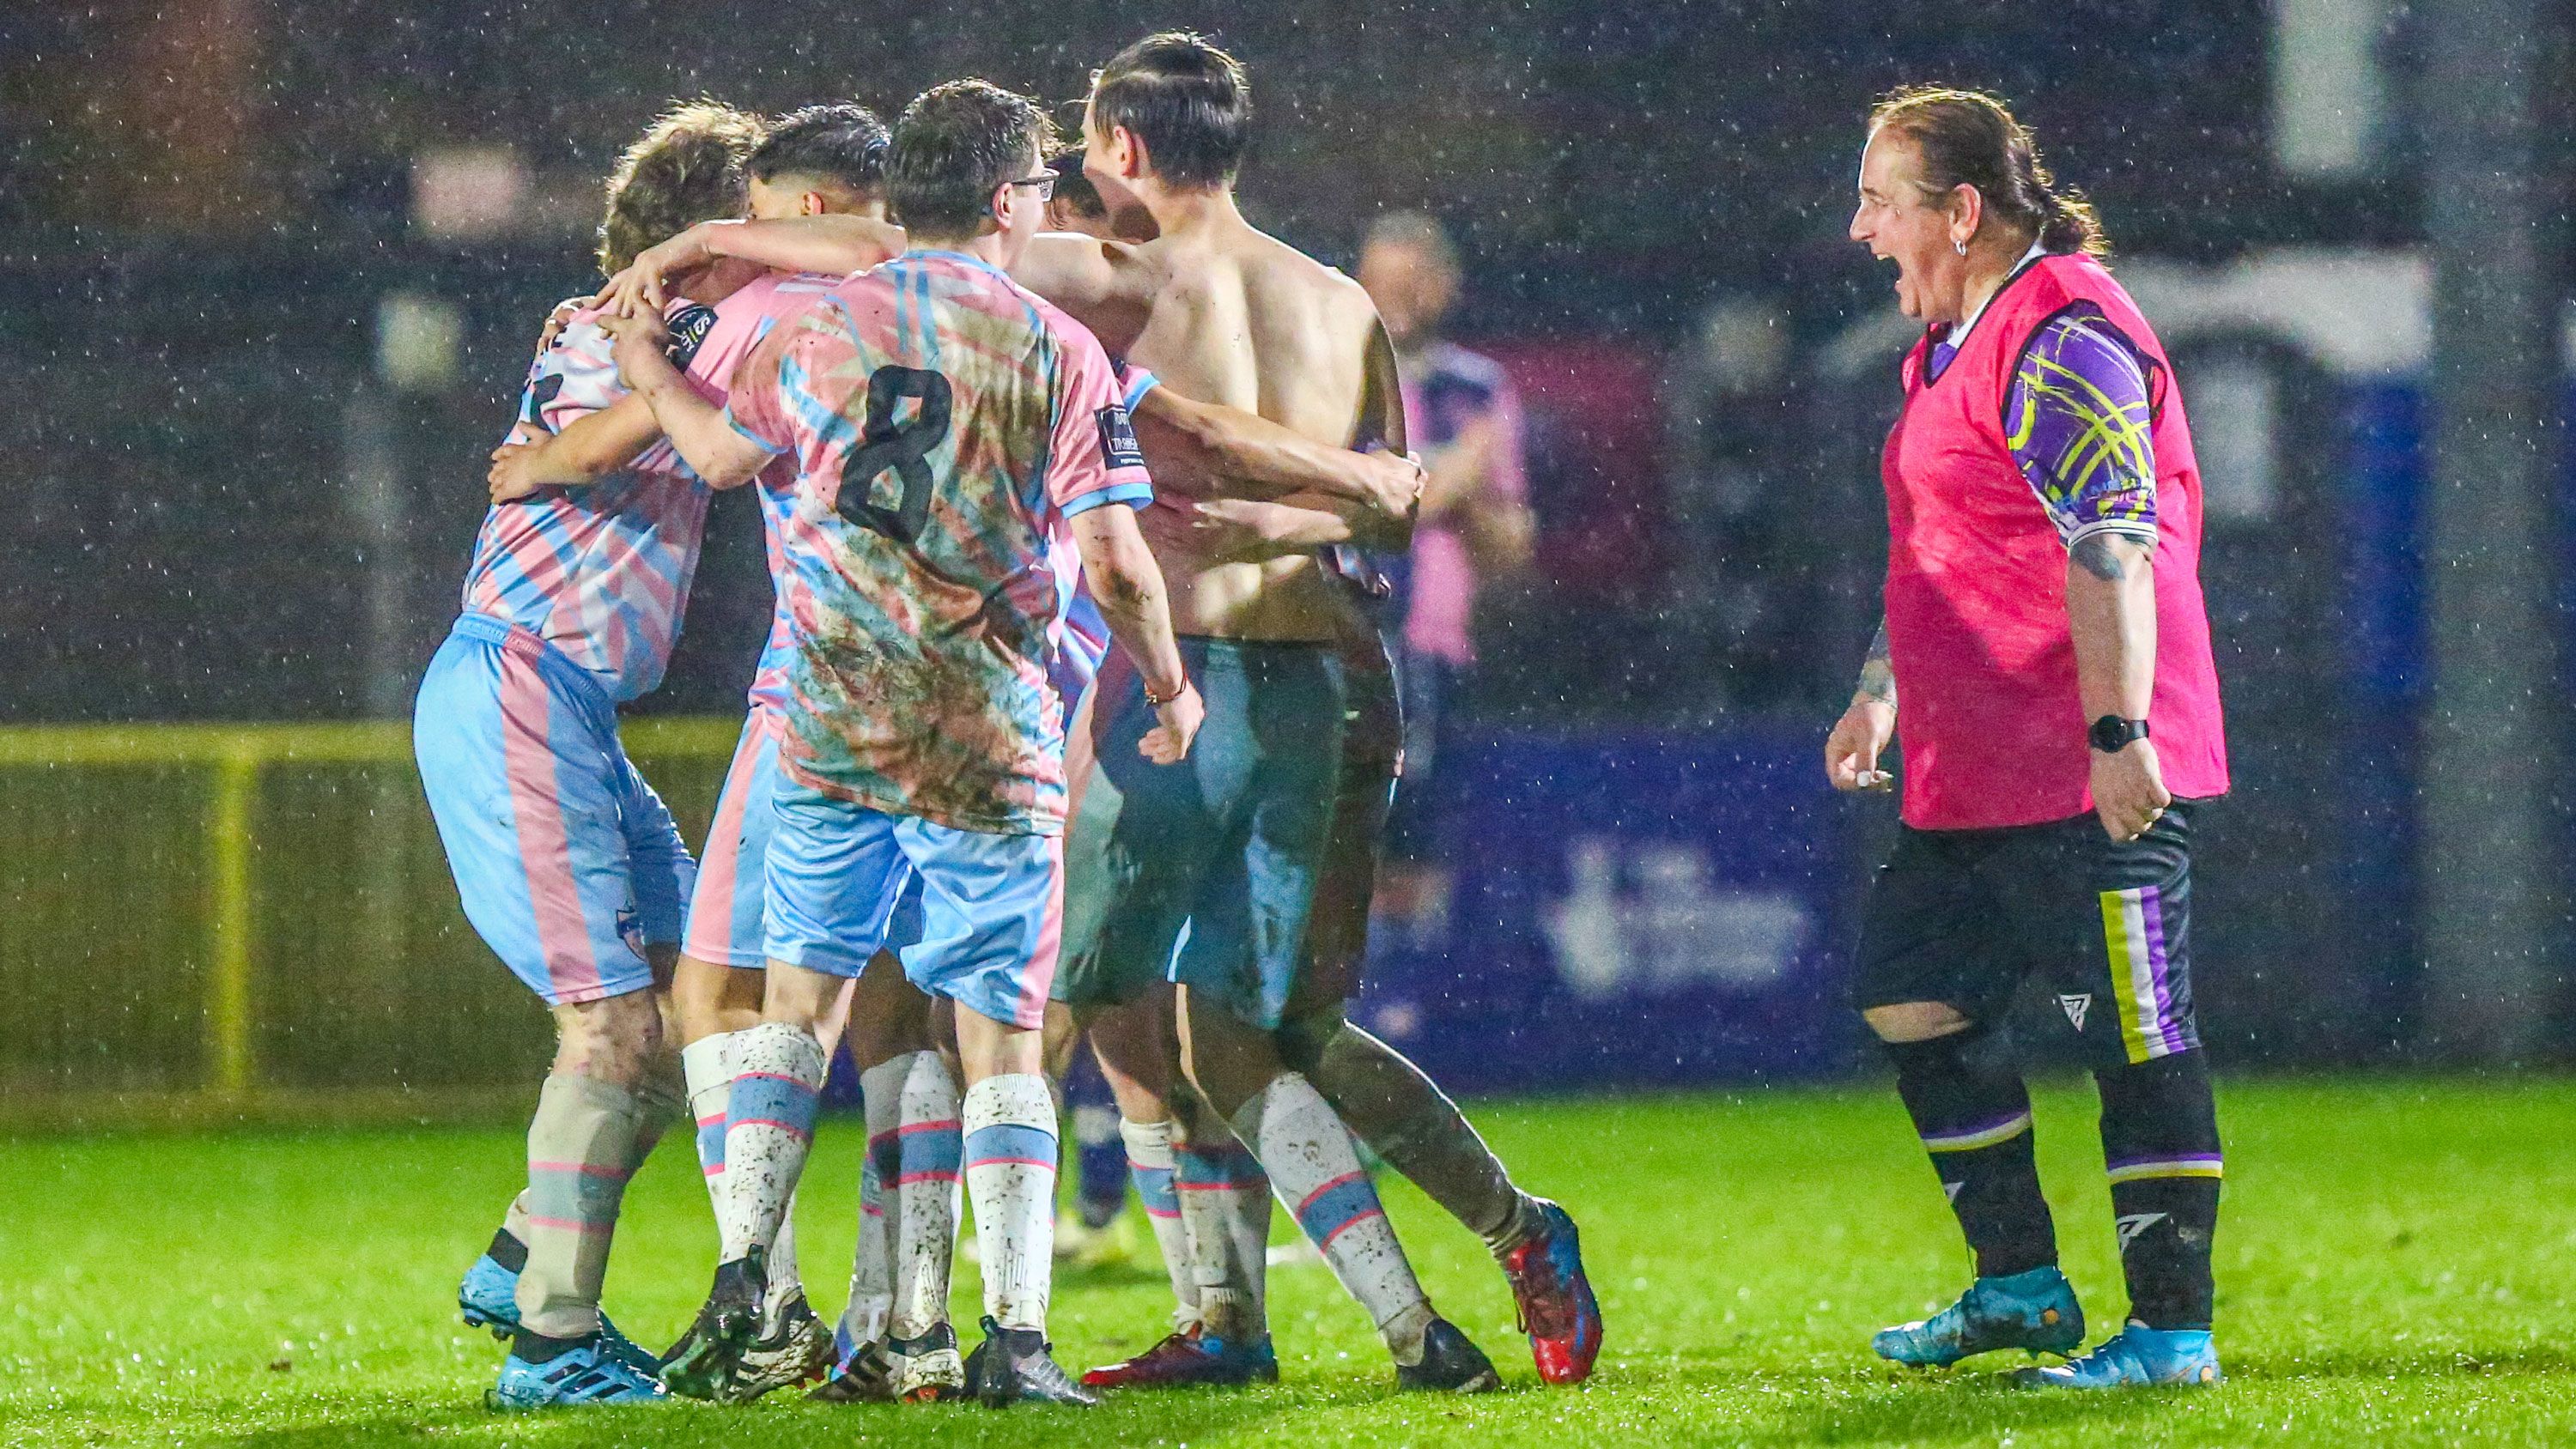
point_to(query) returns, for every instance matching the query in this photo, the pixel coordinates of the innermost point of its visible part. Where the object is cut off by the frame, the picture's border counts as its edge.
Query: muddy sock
(581, 1147)
(1225, 1218)
(872, 1264)
(1317, 1175)
(921, 1172)
(1406, 1119)
(769, 1128)
(1010, 1126)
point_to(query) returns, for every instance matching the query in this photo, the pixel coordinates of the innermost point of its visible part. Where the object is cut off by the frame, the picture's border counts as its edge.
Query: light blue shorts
(567, 862)
(728, 915)
(992, 906)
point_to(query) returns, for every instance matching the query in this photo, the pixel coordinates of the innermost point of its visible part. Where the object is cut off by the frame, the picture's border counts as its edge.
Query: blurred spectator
(1464, 419)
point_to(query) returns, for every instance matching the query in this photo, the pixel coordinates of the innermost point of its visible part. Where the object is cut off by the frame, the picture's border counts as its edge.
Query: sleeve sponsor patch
(689, 327)
(1118, 438)
(542, 390)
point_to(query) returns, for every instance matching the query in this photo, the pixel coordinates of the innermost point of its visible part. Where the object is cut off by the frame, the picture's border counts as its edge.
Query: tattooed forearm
(2111, 620)
(2099, 556)
(1877, 676)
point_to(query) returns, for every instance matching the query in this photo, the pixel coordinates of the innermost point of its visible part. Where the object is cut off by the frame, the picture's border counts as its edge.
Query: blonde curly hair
(687, 167)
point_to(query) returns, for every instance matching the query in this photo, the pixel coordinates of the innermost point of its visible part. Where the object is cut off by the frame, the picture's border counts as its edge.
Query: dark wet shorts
(1203, 872)
(1963, 917)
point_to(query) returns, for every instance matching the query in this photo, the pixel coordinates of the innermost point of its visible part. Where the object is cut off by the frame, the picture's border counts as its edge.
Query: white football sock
(706, 1065)
(769, 1128)
(921, 1183)
(786, 1278)
(872, 1266)
(1150, 1165)
(1318, 1177)
(1010, 1176)
(1225, 1209)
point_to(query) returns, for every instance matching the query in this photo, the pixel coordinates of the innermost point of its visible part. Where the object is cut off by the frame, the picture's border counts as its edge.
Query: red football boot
(1189, 1359)
(1557, 1309)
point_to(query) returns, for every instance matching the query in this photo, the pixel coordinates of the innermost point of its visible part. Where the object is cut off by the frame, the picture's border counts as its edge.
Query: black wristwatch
(2112, 734)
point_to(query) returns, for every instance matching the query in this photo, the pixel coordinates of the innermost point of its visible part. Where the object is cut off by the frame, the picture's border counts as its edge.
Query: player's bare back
(1226, 314)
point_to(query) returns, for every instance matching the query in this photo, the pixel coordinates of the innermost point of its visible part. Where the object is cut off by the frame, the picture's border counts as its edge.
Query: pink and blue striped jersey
(946, 423)
(743, 321)
(1086, 644)
(1086, 631)
(599, 572)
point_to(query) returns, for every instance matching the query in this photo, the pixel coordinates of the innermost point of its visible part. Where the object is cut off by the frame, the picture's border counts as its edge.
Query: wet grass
(2397, 1266)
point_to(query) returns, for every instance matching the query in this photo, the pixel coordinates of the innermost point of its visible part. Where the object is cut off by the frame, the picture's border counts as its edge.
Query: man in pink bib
(2061, 726)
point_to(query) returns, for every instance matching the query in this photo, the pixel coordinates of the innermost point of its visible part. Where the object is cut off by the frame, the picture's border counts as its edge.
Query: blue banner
(1626, 909)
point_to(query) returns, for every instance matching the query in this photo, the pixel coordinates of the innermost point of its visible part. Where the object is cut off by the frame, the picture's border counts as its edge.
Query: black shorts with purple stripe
(1964, 917)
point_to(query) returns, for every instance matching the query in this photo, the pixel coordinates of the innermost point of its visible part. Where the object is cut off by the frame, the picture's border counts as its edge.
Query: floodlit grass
(2397, 1265)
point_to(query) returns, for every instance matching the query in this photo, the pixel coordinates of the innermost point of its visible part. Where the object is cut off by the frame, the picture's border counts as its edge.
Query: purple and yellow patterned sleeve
(2078, 419)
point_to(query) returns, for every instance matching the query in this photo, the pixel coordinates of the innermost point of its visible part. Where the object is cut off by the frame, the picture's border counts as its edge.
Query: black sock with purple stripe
(2160, 1147)
(1973, 1115)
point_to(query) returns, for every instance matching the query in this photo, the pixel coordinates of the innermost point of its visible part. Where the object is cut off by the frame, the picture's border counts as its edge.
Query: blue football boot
(488, 1298)
(588, 1373)
(2034, 1310)
(2136, 1356)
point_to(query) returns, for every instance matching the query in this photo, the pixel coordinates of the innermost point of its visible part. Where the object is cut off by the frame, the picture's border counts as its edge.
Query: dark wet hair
(841, 142)
(686, 168)
(953, 145)
(1189, 102)
(1969, 138)
(1073, 188)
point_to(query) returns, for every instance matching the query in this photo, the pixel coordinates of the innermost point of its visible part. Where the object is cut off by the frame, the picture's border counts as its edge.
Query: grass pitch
(2397, 1265)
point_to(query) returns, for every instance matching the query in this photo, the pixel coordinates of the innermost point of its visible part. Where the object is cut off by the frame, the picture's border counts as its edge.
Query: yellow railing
(322, 915)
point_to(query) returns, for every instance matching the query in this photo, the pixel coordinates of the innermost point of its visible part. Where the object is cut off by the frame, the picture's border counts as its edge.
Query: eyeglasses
(1044, 181)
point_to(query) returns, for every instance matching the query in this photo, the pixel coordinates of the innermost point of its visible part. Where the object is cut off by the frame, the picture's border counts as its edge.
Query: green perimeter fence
(218, 918)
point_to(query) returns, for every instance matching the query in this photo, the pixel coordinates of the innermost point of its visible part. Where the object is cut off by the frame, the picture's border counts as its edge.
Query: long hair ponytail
(1969, 138)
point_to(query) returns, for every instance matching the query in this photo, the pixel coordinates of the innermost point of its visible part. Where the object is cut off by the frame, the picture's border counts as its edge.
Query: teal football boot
(488, 1298)
(2035, 1310)
(2136, 1356)
(586, 1374)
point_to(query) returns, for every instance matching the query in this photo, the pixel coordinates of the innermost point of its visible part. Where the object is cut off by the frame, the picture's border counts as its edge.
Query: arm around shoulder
(719, 452)
(1128, 586)
(1234, 444)
(587, 450)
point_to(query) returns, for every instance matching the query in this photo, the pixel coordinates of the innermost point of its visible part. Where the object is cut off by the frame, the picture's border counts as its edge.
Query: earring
(1960, 246)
